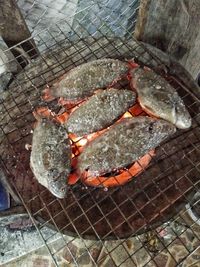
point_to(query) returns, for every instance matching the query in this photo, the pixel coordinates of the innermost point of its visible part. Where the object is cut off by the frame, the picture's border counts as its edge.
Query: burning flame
(127, 115)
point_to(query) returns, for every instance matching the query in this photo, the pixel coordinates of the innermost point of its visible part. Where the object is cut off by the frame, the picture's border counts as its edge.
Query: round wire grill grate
(151, 198)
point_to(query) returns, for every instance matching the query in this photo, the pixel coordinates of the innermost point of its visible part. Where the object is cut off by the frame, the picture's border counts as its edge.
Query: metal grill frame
(32, 216)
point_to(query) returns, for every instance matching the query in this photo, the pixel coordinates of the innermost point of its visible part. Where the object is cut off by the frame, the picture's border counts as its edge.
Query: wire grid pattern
(32, 101)
(120, 16)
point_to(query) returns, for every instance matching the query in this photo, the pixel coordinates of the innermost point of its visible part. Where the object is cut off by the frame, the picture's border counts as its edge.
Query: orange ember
(151, 114)
(124, 176)
(62, 117)
(46, 95)
(42, 112)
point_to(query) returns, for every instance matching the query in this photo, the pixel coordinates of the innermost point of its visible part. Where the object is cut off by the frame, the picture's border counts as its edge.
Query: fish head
(159, 99)
(57, 184)
(159, 126)
(172, 110)
(183, 118)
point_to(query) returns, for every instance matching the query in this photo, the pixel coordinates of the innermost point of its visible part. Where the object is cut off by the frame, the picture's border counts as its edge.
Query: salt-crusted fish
(157, 97)
(122, 144)
(51, 156)
(100, 111)
(82, 81)
(167, 64)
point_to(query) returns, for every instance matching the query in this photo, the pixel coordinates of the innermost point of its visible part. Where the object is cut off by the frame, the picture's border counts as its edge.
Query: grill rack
(32, 103)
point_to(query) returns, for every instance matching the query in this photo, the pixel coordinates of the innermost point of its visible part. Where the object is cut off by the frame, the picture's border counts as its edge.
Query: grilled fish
(51, 157)
(122, 144)
(83, 80)
(157, 97)
(100, 111)
(167, 64)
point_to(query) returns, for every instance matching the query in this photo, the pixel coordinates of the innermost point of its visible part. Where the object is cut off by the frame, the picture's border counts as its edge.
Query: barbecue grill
(99, 214)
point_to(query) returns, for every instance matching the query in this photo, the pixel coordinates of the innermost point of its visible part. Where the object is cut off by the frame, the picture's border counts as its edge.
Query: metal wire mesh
(119, 213)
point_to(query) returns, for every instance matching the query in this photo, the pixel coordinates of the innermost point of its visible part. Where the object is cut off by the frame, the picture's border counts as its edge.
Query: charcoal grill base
(148, 200)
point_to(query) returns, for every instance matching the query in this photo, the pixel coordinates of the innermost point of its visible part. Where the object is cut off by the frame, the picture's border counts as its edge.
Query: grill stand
(25, 84)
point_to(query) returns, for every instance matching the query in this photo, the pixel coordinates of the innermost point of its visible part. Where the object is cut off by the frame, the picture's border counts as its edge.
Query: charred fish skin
(100, 111)
(122, 144)
(51, 157)
(82, 81)
(158, 97)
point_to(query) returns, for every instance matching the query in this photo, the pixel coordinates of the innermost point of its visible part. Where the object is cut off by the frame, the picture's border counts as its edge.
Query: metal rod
(14, 30)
